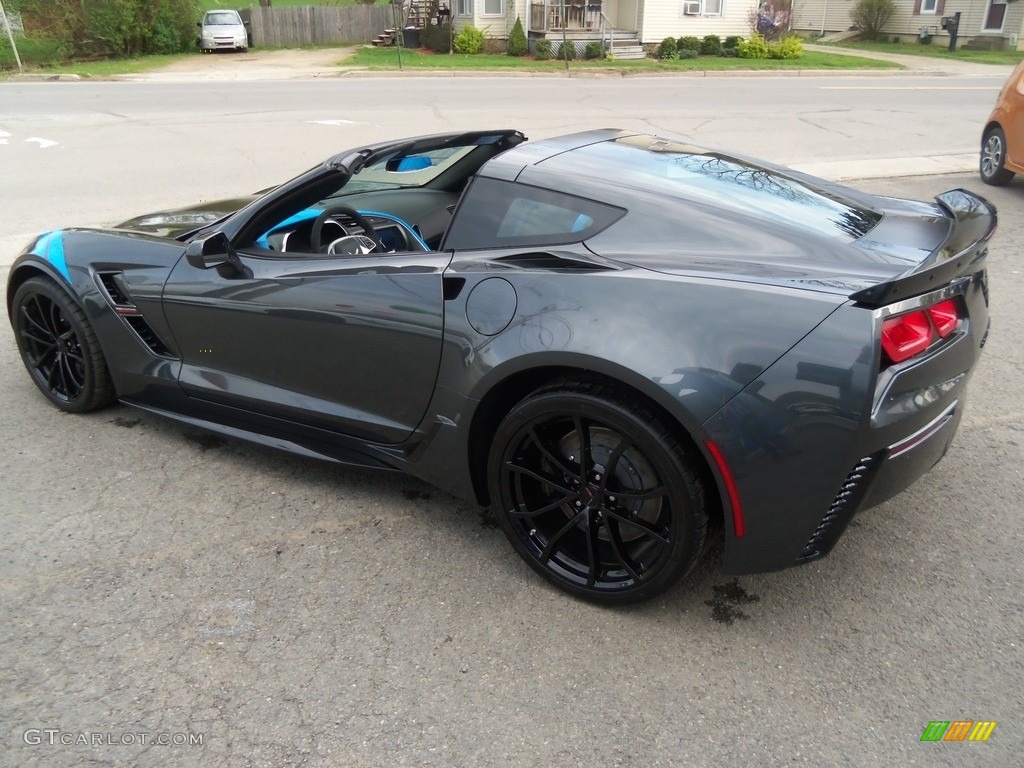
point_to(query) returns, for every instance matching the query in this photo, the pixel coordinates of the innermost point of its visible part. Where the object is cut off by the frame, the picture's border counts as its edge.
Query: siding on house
(658, 19)
(807, 17)
(665, 18)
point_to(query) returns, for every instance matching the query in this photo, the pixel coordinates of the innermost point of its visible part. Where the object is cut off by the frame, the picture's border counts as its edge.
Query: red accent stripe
(739, 527)
(127, 311)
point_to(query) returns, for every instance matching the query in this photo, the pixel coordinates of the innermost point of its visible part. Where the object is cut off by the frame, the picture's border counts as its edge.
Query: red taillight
(907, 335)
(944, 317)
(904, 336)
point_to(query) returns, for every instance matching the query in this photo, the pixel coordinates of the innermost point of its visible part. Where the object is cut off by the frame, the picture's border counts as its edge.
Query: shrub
(686, 53)
(754, 48)
(689, 42)
(567, 50)
(711, 45)
(789, 47)
(869, 16)
(731, 42)
(517, 42)
(593, 50)
(542, 49)
(115, 27)
(436, 37)
(772, 19)
(667, 49)
(469, 40)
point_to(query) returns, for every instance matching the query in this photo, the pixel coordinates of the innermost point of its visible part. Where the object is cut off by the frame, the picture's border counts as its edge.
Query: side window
(503, 214)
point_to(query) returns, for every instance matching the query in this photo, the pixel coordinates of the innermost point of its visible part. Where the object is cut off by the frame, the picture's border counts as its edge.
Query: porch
(612, 22)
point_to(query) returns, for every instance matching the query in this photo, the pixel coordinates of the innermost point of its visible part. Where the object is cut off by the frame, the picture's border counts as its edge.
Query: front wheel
(596, 493)
(991, 165)
(59, 348)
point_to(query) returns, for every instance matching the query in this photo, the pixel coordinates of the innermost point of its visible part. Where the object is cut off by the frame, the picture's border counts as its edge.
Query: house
(995, 24)
(623, 25)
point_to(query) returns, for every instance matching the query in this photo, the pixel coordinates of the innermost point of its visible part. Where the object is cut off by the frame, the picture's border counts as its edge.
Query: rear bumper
(823, 434)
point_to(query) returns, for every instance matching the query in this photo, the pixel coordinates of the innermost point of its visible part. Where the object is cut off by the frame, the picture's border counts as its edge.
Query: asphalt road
(157, 581)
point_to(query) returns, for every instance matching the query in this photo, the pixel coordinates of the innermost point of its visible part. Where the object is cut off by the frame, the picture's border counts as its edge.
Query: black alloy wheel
(596, 493)
(991, 164)
(59, 348)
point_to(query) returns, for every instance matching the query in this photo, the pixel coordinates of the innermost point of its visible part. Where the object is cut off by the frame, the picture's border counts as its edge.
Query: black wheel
(596, 494)
(991, 165)
(59, 348)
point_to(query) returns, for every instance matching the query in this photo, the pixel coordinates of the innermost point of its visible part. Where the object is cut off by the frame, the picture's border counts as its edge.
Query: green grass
(936, 51)
(387, 59)
(44, 56)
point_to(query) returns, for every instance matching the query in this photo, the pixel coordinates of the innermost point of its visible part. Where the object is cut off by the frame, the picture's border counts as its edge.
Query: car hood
(223, 28)
(176, 222)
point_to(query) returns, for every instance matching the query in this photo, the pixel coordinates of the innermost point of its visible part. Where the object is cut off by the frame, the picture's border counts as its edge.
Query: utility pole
(10, 36)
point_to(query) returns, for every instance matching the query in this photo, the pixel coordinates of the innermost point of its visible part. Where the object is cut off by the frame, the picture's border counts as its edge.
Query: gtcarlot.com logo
(958, 730)
(56, 737)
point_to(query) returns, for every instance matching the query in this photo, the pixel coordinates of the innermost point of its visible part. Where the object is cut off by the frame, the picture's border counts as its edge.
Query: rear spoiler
(972, 224)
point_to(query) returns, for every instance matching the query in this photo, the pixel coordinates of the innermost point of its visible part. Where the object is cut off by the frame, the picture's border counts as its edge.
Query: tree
(517, 42)
(113, 27)
(871, 16)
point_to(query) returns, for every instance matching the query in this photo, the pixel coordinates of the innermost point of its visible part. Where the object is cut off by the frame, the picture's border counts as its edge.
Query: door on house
(994, 16)
(622, 14)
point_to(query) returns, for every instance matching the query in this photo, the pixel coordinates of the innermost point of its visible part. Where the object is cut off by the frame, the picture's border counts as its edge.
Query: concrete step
(628, 52)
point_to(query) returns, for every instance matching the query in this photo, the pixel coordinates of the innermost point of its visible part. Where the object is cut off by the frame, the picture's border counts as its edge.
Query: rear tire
(595, 492)
(991, 164)
(59, 348)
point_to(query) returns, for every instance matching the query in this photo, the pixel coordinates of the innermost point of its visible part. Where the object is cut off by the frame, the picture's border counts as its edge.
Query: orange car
(1002, 143)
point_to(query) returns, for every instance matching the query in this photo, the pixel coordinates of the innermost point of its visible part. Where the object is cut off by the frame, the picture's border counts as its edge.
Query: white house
(636, 21)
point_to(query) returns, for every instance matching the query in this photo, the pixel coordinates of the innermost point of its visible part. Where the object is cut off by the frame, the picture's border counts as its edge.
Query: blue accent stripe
(51, 247)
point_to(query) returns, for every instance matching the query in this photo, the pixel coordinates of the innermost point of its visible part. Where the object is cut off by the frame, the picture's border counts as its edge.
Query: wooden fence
(317, 25)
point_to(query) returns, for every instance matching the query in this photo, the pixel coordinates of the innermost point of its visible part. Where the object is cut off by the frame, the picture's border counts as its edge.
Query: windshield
(221, 18)
(416, 170)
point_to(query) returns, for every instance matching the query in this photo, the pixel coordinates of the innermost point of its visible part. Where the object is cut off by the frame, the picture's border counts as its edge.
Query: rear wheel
(59, 348)
(991, 165)
(596, 494)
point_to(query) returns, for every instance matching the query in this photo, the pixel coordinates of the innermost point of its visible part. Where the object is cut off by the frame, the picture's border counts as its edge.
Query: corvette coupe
(618, 341)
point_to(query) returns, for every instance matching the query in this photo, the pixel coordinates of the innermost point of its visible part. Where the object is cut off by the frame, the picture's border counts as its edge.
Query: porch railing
(570, 15)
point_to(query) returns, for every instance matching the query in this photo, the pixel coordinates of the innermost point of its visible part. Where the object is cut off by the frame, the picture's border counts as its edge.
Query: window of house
(494, 7)
(929, 6)
(464, 7)
(712, 7)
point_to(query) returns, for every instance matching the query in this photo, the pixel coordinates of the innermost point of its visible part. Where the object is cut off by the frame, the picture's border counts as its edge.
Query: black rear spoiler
(972, 224)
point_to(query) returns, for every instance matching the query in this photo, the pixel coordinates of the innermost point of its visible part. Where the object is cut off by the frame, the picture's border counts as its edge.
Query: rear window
(683, 170)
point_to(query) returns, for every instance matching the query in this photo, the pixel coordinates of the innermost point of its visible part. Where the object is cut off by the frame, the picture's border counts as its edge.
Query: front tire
(596, 493)
(59, 348)
(991, 165)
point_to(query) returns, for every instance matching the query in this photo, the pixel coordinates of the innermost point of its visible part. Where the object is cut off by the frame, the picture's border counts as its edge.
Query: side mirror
(215, 251)
(246, 23)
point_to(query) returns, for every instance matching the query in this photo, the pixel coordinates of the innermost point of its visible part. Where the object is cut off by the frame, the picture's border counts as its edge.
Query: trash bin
(411, 37)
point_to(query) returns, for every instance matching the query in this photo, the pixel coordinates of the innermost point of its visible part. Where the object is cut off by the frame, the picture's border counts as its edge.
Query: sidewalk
(926, 65)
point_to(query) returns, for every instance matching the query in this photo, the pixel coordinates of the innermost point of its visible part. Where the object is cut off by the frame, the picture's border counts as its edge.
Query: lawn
(935, 51)
(387, 59)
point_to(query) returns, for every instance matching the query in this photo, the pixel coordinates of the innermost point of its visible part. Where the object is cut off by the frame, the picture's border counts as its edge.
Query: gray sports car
(618, 341)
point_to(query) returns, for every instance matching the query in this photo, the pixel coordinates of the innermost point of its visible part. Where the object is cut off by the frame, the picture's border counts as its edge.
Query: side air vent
(148, 335)
(565, 262)
(840, 512)
(117, 292)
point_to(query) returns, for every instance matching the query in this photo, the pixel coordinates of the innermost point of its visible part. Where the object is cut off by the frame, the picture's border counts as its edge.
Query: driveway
(284, 64)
